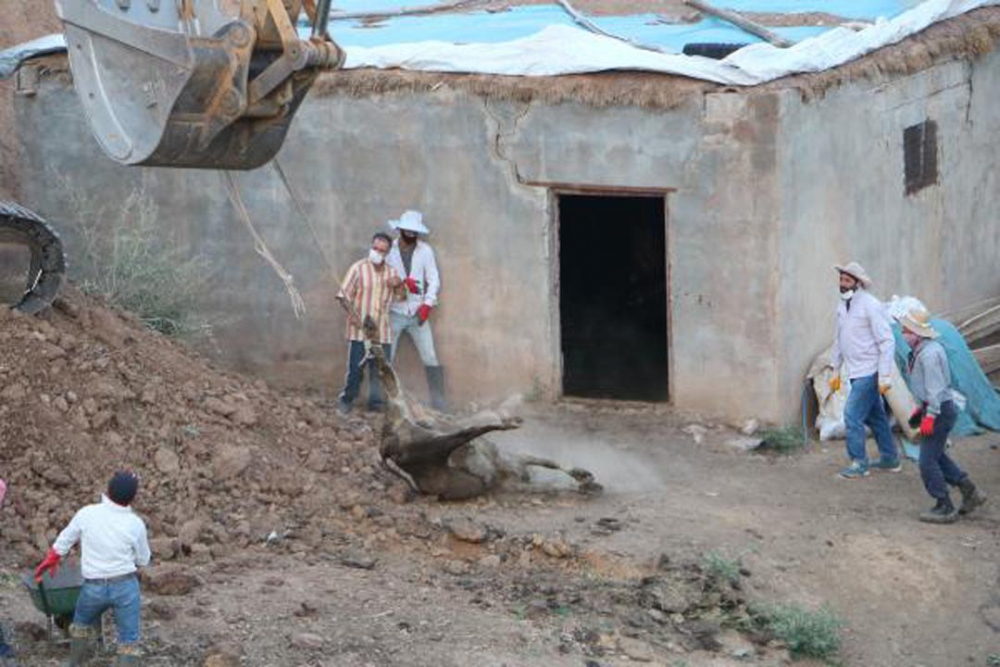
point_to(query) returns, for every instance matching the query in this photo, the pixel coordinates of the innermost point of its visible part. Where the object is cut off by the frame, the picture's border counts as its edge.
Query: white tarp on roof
(560, 49)
(565, 50)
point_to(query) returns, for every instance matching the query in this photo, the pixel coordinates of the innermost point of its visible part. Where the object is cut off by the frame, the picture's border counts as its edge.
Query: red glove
(411, 284)
(424, 312)
(51, 564)
(927, 426)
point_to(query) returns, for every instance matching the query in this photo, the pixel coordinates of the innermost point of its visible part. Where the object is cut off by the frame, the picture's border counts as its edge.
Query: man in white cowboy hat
(864, 344)
(930, 381)
(413, 259)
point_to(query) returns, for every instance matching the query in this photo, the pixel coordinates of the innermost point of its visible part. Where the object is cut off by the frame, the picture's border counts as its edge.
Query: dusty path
(913, 594)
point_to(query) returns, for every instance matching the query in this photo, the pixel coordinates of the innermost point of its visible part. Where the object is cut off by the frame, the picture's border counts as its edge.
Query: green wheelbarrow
(56, 596)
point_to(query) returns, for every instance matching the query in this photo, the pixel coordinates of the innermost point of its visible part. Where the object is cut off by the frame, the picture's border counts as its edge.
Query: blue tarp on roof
(467, 27)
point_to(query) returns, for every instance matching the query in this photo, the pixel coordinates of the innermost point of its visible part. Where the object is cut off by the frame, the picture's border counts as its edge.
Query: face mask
(846, 294)
(375, 257)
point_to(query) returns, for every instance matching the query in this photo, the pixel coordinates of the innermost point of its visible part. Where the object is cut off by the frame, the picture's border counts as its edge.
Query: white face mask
(375, 257)
(846, 296)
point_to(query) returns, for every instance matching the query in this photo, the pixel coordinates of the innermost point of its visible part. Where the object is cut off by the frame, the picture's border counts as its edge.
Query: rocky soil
(249, 492)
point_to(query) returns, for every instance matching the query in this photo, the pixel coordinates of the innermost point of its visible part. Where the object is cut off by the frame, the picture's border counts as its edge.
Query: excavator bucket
(194, 83)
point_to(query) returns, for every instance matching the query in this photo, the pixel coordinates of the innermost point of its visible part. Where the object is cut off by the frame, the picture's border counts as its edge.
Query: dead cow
(449, 458)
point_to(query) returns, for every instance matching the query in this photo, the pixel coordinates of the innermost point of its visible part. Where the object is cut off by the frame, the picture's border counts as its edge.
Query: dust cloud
(620, 472)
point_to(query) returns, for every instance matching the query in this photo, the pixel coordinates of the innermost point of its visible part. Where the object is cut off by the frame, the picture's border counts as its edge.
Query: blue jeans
(864, 406)
(937, 469)
(352, 385)
(420, 334)
(121, 596)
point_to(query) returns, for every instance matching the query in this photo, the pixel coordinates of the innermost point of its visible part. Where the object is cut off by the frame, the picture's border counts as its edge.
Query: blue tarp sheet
(483, 27)
(983, 408)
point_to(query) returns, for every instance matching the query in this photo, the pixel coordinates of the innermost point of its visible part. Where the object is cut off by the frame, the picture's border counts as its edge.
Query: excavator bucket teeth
(176, 86)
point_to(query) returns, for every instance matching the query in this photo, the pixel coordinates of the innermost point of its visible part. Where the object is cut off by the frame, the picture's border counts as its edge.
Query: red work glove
(411, 284)
(916, 417)
(927, 426)
(424, 312)
(51, 564)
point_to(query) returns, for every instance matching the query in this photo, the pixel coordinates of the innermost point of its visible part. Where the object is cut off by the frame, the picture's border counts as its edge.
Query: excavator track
(47, 269)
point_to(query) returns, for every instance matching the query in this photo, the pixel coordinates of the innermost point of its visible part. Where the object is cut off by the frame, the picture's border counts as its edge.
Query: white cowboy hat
(918, 320)
(412, 221)
(856, 271)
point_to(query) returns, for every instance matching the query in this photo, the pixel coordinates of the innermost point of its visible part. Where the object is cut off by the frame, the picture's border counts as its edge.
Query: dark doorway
(613, 297)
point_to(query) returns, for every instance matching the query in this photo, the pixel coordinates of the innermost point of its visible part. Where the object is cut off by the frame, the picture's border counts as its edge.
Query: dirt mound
(224, 460)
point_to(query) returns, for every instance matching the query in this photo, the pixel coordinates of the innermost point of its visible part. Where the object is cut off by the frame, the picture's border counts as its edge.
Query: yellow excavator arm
(194, 83)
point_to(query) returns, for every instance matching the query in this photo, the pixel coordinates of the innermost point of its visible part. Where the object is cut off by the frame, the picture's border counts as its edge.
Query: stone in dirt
(164, 548)
(219, 406)
(456, 567)
(167, 461)
(636, 649)
(750, 427)
(243, 415)
(359, 561)
(223, 654)
(467, 530)
(307, 641)
(169, 580)
(189, 532)
(697, 432)
(230, 461)
(744, 444)
(491, 562)
(161, 610)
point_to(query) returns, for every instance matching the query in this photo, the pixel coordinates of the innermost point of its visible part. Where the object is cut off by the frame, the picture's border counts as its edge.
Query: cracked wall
(843, 197)
(765, 193)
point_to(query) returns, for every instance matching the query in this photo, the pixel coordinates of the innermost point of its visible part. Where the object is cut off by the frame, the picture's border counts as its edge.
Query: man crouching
(112, 544)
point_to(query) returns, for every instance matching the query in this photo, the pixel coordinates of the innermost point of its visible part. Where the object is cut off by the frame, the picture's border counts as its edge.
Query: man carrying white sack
(930, 380)
(413, 259)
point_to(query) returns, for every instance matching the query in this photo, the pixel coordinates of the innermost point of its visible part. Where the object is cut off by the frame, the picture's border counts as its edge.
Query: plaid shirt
(370, 291)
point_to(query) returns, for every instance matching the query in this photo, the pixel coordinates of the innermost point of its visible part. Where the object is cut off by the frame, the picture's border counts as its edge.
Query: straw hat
(918, 321)
(856, 271)
(411, 221)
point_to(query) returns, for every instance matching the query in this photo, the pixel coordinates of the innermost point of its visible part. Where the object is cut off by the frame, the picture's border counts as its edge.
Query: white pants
(421, 335)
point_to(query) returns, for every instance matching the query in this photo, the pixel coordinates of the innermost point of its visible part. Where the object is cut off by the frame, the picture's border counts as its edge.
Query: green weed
(122, 256)
(783, 440)
(719, 566)
(814, 634)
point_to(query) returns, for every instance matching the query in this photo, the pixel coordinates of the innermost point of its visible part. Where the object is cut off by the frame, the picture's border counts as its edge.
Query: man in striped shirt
(368, 288)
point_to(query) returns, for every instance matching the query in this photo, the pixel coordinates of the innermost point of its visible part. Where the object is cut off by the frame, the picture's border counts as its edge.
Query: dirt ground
(912, 594)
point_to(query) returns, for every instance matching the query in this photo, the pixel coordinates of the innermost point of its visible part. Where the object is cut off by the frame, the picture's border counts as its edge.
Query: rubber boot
(942, 512)
(435, 383)
(971, 496)
(79, 651)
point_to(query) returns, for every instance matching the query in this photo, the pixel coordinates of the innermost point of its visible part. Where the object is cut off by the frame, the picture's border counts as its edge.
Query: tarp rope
(298, 305)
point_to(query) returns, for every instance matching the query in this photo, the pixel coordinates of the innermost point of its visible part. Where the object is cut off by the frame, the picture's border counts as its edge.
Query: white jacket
(863, 340)
(112, 540)
(423, 269)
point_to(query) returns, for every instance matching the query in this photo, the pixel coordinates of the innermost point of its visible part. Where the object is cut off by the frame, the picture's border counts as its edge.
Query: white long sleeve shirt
(423, 269)
(863, 340)
(112, 540)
